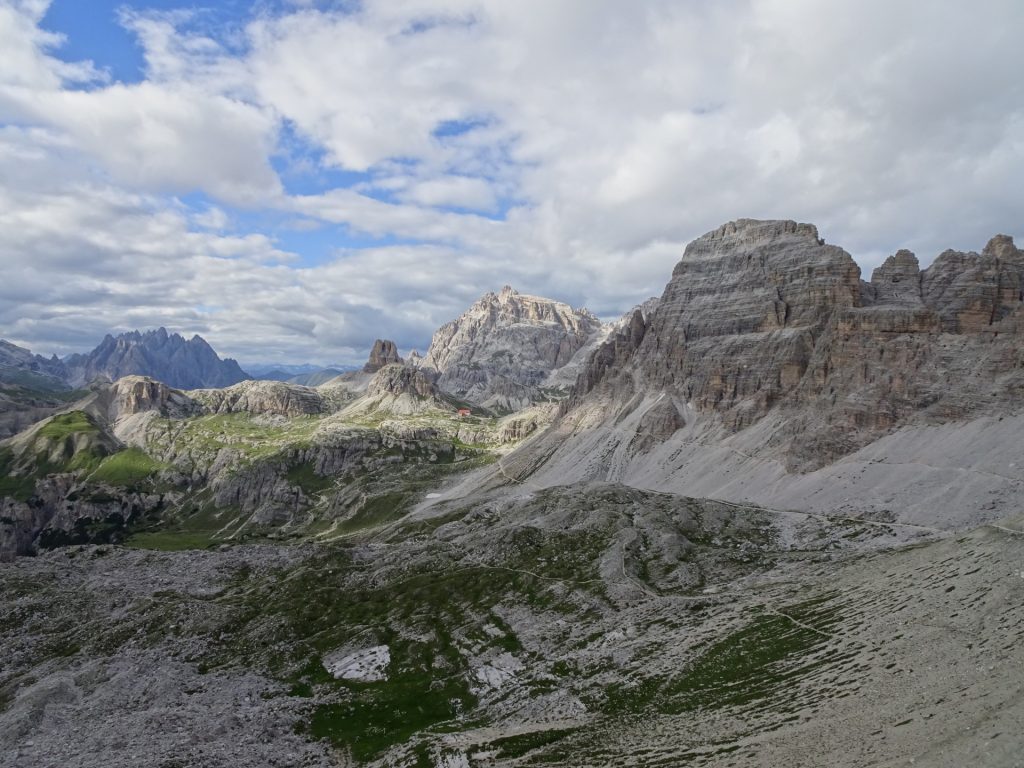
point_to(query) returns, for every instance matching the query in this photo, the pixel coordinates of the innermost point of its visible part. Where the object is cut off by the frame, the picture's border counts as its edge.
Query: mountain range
(771, 517)
(770, 372)
(169, 357)
(19, 367)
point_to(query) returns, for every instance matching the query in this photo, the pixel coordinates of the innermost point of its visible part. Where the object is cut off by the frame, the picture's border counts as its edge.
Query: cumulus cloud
(569, 148)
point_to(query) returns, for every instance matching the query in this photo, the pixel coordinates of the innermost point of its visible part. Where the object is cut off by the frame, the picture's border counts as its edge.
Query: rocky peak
(750, 233)
(972, 291)
(734, 285)
(396, 379)
(898, 280)
(500, 351)
(1002, 247)
(764, 318)
(17, 363)
(167, 357)
(384, 352)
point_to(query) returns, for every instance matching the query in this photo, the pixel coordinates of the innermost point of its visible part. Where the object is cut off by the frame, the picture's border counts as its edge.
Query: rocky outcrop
(274, 398)
(400, 390)
(610, 359)
(516, 428)
(139, 394)
(896, 282)
(499, 353)
(168, 357)
(384, 352)
(397, 379)
(971, 292)
(766, 346)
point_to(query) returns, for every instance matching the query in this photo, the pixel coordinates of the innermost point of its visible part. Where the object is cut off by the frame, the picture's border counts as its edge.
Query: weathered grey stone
(500, 351)
(181, 363)
(263, 397)
(762, 319)
(384, 352)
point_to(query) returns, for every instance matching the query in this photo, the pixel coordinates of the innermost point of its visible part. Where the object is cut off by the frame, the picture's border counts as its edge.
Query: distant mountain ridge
(20, 367)
(290, 370)
(168, 357)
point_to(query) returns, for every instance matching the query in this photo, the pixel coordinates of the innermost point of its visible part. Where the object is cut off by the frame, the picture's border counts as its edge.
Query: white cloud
(164, 138)
(455, 191)
(212, 218)
(24, 49)
(610, 133)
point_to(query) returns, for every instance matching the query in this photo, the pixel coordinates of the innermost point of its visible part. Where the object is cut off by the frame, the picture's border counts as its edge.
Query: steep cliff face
(185, 364)
(737, 324)
(767, 347)
(971, 292)
(500, 351)
(384, 352)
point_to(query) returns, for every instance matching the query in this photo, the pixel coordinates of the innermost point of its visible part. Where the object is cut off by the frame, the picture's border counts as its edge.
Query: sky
(292, 179)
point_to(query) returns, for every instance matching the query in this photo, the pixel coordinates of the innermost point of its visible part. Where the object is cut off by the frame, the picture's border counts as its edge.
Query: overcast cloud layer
(296, 184)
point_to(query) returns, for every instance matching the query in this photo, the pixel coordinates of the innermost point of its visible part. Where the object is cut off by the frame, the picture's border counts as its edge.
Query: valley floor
(587, 626)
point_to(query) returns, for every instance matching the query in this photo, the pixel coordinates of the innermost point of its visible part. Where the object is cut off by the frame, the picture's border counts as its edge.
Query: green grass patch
(753, 664)
(253, 438)
(126, 468)
(424, 687)
(287, 622)
(64, 425)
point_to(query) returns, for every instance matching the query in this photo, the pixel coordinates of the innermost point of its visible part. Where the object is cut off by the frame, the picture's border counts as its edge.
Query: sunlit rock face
(500, 351)
(769, 353)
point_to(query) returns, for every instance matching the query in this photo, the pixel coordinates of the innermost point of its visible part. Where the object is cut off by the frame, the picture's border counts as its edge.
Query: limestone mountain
(181, 363)
(500, 351)
(370, 571)
(32, 387)
(18, 366)
(384, 352)
(770, 372)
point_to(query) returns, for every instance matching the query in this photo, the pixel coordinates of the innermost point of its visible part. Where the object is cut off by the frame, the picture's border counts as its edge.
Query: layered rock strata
(767, 340)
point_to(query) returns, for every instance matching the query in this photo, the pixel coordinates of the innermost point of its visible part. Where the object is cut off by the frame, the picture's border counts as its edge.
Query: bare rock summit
(500, 351)
(168, 357)
(384, 352)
